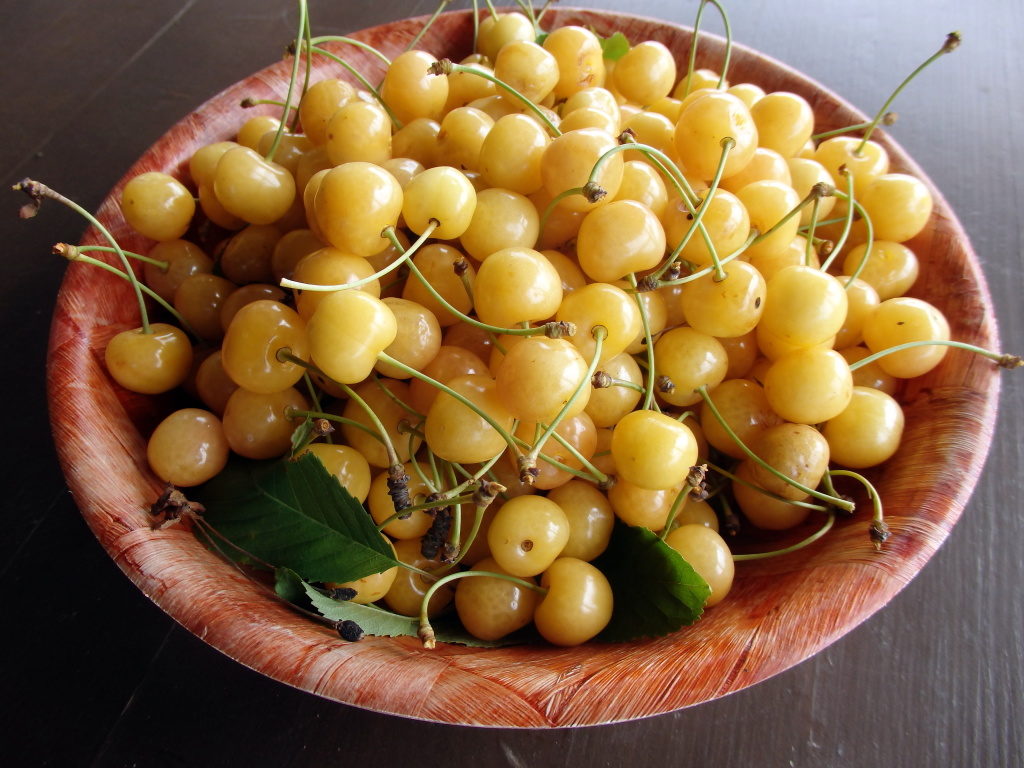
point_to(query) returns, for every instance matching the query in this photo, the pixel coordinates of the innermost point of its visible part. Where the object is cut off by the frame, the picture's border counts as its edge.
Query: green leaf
(614, 47)
(541, 38)
(289, 586)
(294, 514)
(302, 435)
(377, 621)
(655, 590)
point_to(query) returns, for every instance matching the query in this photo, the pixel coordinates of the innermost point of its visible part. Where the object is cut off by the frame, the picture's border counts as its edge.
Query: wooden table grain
(94, 674)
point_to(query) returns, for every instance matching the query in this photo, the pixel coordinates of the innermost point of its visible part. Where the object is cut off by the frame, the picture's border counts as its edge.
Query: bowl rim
(558, 687)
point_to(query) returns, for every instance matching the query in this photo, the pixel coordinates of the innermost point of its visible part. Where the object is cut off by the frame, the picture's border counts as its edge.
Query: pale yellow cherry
(516, 285)
(688, 359)
(726, 222)
(441, 266)
(417, 139)
(768, 203)
(699, 79)
(360, 130)
(645, 73)
(642, 507)
(406, 594)
(616, 239)
(765, 165)
(891, 268)
(449, 362)
(601, 305)
(899, 206)
(490, 607)
(803, 306)
(748, 93)
(188, 447)
(795, 255)
(653, 129)
(511, 154)
(461, 137)
(862, 299)
(501, 219)
(498, 30)
(867, 432)
(742, 352)
(590, 516)
(410, 90)
(539, 376)
(642, 183)
(347, 332)
(354, 203)
(702, 126)
(260, 426)
(347, 464)
(785, 122)
(578, 603)
(763, 511)
(805, 173)
(870, 375)
(903, 320)
(653, 450)
(728, 307)
(203, 163)
(528, 68)
(708, 554)
(568, 268)
(744, 407)
(157, 206)
(609, 404)
(417, 341)
(797, 451)
(330, 266)
(252, 188)
(667, 106)
(809, 386)
(568, 161)
(589, 117)
(441, 195)
(456, 433)
(577, 52)
(467, 87)
(320, 101)
(252, 130)
(370, 589)
(864, 164)
(574, 437)
(559, 225)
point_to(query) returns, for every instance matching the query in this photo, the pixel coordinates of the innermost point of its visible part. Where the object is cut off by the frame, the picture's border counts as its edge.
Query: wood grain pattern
(780, 612)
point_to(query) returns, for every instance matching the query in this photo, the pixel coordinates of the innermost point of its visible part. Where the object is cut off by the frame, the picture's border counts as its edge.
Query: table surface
(93, 673)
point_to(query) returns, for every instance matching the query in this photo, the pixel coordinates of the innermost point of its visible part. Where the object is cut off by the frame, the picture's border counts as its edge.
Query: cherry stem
(433, 504)
(430, 22)
(295, 413)
(426, 632)
(889, 118)
(812, 225)
(728, 40)
(645, 322)
(1003, 360)
(491, 8)
(405, 255)
(163, 266)
(851, 208)
(316, 41)
(825, 528)
(37, 191)
(292, 80)
(731, 476)
(704, 271)
(949, 45)
(845, 504)
(447, 66)
(879, 531)
(73, 253)
(692, 65)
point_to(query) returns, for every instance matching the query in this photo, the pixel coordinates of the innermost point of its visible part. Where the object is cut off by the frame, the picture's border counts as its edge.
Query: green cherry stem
(386, 270)
(731, 476)
(430, 22)
(851, 208)
(889, 118)
(728, 41)
(447, 67)
(645, 323)
(73, 253)
(708, 269)
(691, 66)
(163, 266)
(1001, 359)
(813, 225)
(36, 190)
(821, 189)
(292, 80)
(838, 502)
(294, 413)
(316, 42)
(426, 632)
(950, 44)
(693, 481)
(825, 528)
(879, 531)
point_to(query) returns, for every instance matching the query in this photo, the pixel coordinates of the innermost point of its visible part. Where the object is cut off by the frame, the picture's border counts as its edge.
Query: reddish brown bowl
(780, 611)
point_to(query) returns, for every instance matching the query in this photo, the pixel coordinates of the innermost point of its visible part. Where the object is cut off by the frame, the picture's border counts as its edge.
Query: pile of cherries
(533, 293)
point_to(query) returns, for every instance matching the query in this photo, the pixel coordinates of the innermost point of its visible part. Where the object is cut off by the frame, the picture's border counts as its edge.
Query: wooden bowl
(780, 611)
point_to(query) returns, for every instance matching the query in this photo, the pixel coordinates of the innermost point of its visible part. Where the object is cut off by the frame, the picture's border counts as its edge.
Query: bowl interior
(780, 612)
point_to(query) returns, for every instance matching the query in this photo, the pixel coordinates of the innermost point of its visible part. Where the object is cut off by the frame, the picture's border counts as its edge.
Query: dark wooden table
(93, 673)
